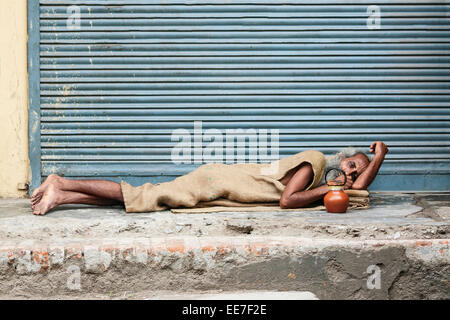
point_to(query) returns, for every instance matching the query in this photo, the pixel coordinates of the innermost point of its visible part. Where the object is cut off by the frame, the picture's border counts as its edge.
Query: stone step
(327, 268)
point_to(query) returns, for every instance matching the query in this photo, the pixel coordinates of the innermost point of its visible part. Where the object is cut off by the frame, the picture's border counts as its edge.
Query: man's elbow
(359, 187)
(291, 203)
(284, 203)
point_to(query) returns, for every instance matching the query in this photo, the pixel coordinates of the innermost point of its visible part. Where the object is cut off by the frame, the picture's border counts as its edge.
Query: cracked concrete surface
(185, 295)
(404, 235)
(391, 216)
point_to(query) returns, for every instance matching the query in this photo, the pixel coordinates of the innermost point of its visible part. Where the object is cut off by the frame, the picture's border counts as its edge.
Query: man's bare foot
(39, 192)
(49, 200)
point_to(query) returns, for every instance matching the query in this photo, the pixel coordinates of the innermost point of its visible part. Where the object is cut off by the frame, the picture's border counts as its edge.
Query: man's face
(354, 166)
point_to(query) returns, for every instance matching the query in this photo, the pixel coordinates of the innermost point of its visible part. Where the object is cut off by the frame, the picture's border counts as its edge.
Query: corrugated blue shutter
(112, 92)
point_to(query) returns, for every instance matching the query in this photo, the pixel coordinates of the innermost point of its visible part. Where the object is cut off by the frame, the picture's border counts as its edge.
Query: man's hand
(348, 184)
(369, 174)
(379, 148)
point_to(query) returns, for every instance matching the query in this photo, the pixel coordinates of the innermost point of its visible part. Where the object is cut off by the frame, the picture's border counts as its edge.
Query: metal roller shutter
(111, 93)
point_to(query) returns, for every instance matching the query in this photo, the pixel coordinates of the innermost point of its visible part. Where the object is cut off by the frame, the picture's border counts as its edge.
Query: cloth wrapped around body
(241, 185)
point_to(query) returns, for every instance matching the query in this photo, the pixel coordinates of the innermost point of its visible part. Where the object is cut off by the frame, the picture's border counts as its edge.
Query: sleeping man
(296, 182)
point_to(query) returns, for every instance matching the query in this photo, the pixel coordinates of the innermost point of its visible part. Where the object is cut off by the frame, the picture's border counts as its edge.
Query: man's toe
(36, 210)
(35, 193)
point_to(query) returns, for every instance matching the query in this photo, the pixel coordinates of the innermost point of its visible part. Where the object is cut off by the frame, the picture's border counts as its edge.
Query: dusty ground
(326, 254)
(170, 295)
(391, 216)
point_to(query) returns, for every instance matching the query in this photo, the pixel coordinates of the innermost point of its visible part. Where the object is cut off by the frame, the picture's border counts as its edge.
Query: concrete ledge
(252, 295)
(329, 268)
(397, 249)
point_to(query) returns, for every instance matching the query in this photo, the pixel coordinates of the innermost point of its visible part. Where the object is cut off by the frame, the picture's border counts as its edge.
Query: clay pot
(336, 200)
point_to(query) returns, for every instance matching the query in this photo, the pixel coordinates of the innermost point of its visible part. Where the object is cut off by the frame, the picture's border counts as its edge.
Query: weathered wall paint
(14, 163)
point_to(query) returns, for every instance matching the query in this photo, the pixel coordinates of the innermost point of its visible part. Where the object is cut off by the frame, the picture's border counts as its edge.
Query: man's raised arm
(369, 174)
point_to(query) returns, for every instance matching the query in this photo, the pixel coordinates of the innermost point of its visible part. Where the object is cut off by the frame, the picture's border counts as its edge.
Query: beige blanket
(212, 185)
(359, 199)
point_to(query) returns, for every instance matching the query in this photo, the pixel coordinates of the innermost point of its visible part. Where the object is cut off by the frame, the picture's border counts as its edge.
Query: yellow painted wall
(14, 163)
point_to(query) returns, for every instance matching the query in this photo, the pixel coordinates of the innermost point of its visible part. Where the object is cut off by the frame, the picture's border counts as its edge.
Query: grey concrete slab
(329, 268)
(120, 256)
(231, 296)
(391, 216)
(174, 295)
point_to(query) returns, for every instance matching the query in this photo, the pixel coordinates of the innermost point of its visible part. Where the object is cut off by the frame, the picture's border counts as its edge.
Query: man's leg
(57, 190)
(100, 188)
(53, 198)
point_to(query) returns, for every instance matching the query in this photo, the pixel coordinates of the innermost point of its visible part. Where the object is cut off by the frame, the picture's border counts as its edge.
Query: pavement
(397, 249)
(253, 295)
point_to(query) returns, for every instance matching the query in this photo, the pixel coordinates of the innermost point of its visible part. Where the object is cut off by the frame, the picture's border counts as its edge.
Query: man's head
(353, 166)
(351, 160)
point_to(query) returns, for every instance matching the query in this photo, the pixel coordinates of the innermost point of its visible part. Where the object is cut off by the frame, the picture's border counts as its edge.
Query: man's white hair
(334, 160)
